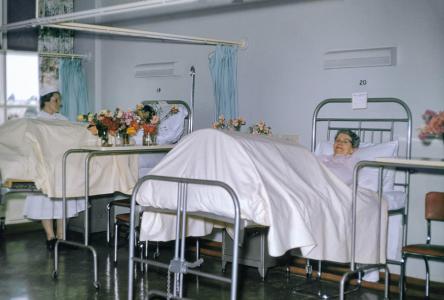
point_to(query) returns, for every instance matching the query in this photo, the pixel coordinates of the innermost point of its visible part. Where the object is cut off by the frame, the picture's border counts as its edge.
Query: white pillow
(368, 177)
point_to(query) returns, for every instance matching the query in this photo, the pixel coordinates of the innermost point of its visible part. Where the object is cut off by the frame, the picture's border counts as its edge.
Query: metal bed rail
(178, 265)
(407, 165)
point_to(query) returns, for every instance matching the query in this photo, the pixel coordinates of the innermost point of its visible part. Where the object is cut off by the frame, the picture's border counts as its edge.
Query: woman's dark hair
(149, 109)
(46, 98)
(355, 140)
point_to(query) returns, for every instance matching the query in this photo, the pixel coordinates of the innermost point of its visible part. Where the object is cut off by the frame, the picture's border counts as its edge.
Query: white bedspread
(280, 185)
(32, 149)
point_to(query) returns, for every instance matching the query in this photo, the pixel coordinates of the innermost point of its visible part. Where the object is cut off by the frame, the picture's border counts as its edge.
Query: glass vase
(149, 139)
(125, 139)
(103, 134)
(118, 139)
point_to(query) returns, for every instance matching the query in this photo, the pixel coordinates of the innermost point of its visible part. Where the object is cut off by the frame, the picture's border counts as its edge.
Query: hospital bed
(390, 133)
(260, 192)
(386, 134)
(36, 151)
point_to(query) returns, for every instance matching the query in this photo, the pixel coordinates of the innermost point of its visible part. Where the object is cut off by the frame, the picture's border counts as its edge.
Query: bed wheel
(54, 274)
(96, 284)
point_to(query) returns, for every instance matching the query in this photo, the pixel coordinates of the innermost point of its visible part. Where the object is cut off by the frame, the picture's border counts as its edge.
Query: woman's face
(54, 104)
(343, 145)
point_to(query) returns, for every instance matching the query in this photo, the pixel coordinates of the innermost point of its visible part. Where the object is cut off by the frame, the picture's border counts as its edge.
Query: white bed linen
(32, 149)
(280, 185)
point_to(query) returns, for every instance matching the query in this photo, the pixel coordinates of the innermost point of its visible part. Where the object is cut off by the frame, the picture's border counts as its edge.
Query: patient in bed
(342, 163)
(40, 207)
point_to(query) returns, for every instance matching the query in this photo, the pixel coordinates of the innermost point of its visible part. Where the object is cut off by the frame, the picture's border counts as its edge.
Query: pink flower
(434, 125)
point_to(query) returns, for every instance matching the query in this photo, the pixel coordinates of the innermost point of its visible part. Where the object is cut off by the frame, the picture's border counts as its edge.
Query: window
(22, 86)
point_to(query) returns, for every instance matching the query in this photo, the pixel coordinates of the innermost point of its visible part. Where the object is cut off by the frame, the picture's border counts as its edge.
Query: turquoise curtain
(223, 68)
(73, 88)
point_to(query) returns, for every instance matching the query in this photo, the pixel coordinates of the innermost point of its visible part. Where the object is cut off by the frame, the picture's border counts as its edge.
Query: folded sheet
(279, 184)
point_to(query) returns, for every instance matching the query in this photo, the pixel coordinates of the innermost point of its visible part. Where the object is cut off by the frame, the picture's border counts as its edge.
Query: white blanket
(32, 149)
(280, 185)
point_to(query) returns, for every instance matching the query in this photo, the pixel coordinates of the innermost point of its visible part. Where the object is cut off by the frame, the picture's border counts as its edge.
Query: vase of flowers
(220, 123)
(433, 127)
(236, 124)
(150, 131)
(260, 128)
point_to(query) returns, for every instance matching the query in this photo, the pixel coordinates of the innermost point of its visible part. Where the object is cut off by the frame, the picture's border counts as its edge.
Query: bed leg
(308, 269)
(2, 226)
(224, 262)
(386, 283)
(262, 272)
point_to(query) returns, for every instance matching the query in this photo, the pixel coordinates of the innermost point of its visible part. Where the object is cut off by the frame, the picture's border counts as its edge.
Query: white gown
(40, 207)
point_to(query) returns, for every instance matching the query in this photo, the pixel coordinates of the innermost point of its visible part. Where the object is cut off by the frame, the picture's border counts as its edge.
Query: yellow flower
(80, 118)
(131, 131)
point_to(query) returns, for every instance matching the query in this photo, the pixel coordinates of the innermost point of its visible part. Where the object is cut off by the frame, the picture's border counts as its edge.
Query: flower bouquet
(120, 124)
(236, 124)
(260, 128)
(433, 127)
(220, 123)
(150, 131)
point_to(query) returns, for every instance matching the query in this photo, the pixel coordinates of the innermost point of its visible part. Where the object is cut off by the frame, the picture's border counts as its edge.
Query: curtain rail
(144, 34)
(62, 55)
(91, 13)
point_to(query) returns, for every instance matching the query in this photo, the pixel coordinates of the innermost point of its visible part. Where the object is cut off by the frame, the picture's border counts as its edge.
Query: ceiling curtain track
(91, 13)
(144, 34)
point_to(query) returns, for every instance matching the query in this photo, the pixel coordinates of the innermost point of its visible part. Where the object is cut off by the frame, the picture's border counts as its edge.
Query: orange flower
(134, 124)
(149, 128)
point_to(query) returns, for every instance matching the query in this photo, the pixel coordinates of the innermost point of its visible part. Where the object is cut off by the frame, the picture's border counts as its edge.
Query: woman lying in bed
(342, 162)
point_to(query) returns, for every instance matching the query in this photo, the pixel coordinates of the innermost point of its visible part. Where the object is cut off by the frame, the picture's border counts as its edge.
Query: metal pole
(193, 84)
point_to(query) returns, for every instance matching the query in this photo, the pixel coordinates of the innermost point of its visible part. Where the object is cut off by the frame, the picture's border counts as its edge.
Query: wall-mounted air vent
(359, 58)
(157, 69)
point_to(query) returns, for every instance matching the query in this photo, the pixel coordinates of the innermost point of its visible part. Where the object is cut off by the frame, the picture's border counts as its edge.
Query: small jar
(125, 139)
(118, 139)
(149, 139)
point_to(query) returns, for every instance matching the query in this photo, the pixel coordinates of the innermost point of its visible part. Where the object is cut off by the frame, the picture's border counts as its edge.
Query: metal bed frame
(368, 131)
(178, 265)
(93, 152)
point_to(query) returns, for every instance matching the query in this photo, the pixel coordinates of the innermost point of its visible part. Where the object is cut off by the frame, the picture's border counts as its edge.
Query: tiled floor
(26, 267)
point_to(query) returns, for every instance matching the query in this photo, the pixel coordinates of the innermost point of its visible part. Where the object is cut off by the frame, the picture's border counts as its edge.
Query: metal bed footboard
(178, 265)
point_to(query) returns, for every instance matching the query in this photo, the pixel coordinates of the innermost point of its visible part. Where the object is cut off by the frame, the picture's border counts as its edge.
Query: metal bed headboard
(372, 130)
(188, 119)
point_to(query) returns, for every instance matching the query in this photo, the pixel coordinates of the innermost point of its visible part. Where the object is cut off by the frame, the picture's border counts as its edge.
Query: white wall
(281, 77)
